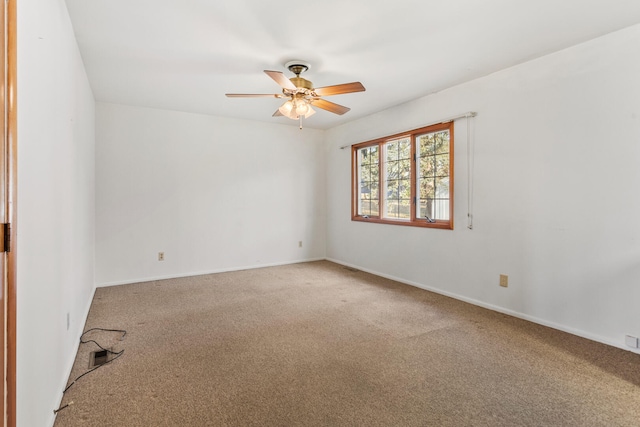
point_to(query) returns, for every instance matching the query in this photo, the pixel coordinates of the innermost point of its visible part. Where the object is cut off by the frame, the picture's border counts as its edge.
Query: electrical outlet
(300, 244)
(68, 320)
(504, 280)
(160, 256)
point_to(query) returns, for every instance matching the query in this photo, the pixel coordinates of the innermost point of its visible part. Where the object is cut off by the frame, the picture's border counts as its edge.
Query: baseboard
(492, 307)
(200, 273)
(499, 309)
(72, 360)
(475, 302)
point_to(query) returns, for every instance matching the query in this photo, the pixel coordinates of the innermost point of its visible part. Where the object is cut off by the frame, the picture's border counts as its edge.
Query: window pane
(374, 190)
(425, 145)
(375, 208)
(404, 148)
(392, 170)
(434, 209)
(433, 143)
(392, 210)
(404, 189)
(368, 181)
(427, 166)
(391, 149)
(433, 173)
(399, 209)
(365, 206)
(442, 188)
(442, 165)
(424, 209)
(404, 168)
(441, 209)
(404, 208)
(375, 171)
(427, 189)
(392, 189)
(397, 179)
(442, 142)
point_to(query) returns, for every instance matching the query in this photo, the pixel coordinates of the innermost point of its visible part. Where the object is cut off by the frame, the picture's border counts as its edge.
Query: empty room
(233, 213)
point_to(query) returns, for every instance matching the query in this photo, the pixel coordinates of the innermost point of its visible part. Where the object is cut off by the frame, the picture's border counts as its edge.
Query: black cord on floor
(55, 411)
(118, 354)
(82, 341)
(124, 333)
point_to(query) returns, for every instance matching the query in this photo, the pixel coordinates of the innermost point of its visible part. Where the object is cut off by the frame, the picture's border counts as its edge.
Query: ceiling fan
(301, 94)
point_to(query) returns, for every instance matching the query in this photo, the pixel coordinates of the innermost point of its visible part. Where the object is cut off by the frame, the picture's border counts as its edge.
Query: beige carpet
(318, 344)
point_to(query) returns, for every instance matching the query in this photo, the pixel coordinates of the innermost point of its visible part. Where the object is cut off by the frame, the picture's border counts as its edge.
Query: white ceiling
(185, 55)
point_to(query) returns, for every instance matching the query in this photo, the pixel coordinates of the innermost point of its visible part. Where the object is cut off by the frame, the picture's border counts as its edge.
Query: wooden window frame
(8, 196)
(413, 221)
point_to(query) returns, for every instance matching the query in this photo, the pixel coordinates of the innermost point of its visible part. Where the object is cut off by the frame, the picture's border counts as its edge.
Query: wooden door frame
(10, 114)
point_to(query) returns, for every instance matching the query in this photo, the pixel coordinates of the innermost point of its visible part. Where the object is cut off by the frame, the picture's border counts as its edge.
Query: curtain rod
(448, 119)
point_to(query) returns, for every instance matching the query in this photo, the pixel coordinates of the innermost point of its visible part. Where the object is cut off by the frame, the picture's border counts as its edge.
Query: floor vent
(352, 269)
(99, 357)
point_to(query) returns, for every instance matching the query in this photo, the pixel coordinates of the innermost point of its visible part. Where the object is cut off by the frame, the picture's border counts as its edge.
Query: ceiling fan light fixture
(302, 108)
(286, 107)
(310, 112)
(296, 108)
(300, 94)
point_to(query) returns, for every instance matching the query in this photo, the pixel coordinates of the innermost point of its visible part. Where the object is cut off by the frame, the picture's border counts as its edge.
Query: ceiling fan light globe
(286, 108)
(302, 108)
(310, 112)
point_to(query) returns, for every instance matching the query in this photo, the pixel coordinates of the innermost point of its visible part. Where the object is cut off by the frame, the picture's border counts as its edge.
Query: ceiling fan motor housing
(299, 82)
(298, 67)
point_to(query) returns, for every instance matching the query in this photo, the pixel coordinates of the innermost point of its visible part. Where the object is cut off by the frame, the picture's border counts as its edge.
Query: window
(405, 179)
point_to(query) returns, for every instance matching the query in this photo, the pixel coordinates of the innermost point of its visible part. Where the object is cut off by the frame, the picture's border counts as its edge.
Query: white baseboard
(72, 359)
(478, 303)
(492, 307)
(200, 273)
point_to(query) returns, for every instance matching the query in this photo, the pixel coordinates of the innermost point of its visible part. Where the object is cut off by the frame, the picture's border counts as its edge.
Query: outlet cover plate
(504, 280)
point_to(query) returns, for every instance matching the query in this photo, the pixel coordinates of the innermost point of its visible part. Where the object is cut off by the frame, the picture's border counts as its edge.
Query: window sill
(439, 224)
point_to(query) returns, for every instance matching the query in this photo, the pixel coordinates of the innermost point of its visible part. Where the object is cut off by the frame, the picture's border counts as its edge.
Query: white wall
(213, 194)
(556, 179)
(55, 206)
(556, 204)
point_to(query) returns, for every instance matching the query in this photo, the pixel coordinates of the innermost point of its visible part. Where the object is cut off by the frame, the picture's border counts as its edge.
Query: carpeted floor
(318, 344)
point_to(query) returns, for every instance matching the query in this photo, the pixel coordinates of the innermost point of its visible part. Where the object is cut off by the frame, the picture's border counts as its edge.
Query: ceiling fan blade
(253, 95)
(281, 79)
(277, 113)
(330, 106)
(338, 89)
